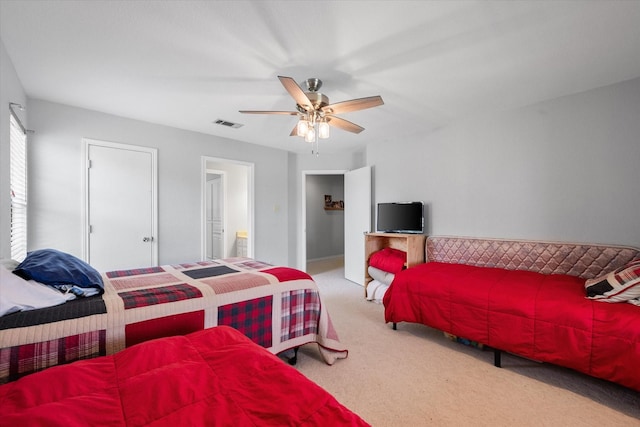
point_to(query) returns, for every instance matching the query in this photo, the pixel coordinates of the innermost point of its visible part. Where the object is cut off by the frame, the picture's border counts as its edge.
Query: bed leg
(395, 326)
(293, 360)
(497, 355)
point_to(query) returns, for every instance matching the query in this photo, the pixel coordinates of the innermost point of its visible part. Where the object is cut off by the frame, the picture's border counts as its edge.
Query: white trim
(302, 241)
(86, 142)
(250, 202)
(326, 258)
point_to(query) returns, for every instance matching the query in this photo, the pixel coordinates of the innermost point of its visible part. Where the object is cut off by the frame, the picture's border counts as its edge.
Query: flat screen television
(400, 217)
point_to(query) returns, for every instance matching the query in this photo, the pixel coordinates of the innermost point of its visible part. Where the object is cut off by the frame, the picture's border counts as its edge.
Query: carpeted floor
(325, 264)
(416, 377)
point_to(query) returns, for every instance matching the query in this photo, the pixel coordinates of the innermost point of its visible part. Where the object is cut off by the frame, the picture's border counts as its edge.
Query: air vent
(228, 124)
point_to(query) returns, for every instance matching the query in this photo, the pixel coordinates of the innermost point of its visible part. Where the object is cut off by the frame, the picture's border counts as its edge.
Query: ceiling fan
(315, 112)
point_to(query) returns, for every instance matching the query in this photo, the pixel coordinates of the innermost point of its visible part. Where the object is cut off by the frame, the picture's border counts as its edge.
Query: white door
(357, 221)
(121, 206)
(215, 216)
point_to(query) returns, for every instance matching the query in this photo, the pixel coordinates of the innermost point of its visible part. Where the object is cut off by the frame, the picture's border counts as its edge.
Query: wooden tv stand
(412, 244)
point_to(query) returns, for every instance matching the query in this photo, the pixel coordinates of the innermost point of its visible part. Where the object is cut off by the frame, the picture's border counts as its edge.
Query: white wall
(55, 181)
(11, 90)
(565, 169)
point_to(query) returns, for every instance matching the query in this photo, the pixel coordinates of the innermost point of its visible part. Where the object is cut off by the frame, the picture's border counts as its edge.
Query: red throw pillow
(389, 260)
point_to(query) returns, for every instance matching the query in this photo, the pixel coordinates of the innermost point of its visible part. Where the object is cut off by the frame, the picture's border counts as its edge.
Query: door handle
(147, 239)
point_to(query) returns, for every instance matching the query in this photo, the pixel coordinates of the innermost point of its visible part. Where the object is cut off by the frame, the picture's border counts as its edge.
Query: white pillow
(622, 284)
(17, 294)
(9, 264)
(380, 275)
(376, 291)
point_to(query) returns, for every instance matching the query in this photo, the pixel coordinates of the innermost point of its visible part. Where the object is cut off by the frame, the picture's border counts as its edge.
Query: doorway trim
(302, 242)
(203, 202)
(86, 165)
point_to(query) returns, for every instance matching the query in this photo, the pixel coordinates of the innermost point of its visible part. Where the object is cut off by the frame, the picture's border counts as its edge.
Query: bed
(213, 377)
(571, 304)
(278, 308)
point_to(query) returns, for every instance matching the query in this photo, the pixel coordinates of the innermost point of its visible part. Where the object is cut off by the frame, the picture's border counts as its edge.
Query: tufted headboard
(577, 259)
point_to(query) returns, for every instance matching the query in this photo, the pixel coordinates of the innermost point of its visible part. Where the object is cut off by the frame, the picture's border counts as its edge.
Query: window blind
(18, 187)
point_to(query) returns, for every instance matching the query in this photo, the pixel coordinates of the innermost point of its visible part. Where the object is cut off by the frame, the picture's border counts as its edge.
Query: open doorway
(357, 219)
(322, 244)
(227, 208)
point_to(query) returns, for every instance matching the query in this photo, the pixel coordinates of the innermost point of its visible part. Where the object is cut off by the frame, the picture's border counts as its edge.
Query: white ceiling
(187, 63)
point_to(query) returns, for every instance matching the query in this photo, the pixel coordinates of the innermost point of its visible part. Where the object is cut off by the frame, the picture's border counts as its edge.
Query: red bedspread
(215, 377)
(542, 317)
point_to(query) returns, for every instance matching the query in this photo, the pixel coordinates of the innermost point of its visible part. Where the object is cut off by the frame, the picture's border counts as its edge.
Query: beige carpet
(325, 264)
(416, 377)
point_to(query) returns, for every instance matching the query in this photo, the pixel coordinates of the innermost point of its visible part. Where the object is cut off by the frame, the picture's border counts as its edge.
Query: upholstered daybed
(568, 304)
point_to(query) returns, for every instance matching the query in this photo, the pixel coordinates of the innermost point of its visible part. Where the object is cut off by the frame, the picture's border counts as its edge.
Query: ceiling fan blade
(294, 131)
(344, 124)
(353, 105)
(289, 113)
(296, 92)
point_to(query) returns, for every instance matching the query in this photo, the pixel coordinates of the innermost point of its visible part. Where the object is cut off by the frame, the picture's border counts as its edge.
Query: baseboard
(327, 258)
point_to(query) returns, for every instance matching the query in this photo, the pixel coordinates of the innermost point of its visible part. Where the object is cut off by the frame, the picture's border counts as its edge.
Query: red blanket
(542, 317)
(215, 377)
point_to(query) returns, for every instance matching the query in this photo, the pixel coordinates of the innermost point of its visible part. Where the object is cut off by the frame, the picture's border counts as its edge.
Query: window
(18, 186)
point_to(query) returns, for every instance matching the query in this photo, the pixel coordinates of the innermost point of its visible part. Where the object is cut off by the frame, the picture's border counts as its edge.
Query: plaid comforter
(278, 308)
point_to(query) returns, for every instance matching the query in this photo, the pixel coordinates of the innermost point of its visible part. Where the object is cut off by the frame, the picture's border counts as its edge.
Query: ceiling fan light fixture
(323, 130)
(311, 135)
(315, 114)
(303, 128)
